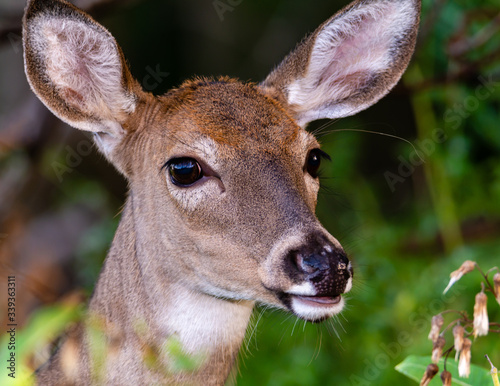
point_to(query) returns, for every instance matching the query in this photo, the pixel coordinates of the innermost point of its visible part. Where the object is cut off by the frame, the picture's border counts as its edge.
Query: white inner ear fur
(84, 65)
(346, 54)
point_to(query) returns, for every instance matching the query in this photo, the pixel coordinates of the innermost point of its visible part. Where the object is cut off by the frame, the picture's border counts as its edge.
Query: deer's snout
(308, 272)
(322, 264)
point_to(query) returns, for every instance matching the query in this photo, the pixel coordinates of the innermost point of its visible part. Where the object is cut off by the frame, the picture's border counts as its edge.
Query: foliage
(44, 327)
(413, 367)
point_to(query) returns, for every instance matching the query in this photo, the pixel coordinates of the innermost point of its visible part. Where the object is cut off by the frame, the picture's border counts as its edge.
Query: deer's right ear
(349, 62)
(76, 68)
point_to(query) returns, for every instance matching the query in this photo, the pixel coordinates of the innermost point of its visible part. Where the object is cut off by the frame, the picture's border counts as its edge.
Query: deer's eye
(184, 172)
(313, 161)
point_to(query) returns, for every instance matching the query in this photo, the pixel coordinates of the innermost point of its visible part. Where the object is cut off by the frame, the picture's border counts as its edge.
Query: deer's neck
(211, 330)
(131, 289)
(204, 324)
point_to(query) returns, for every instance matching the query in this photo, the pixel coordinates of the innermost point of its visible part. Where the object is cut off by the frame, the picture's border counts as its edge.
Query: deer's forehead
(233, 116)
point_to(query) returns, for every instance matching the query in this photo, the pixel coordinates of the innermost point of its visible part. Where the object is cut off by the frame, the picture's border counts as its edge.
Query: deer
(223, 185)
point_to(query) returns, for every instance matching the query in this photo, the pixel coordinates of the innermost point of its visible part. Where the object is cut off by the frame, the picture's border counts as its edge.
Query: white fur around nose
(310, 312)
(303, 289)
(83, 62)
(348, 286)
(347, 51)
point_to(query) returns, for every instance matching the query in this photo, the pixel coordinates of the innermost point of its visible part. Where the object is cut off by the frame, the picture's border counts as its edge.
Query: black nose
(323, 264)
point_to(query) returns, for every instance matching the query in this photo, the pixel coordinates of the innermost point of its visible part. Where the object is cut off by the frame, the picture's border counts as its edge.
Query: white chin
(312, 309)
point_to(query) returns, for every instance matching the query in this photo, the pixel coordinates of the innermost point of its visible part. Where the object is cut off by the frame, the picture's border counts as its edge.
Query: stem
(438, 182)
(456, 321)
(490, 287)
(467, 333)
(491, 269)
(446, 354)
(463, 314)
(493, 372)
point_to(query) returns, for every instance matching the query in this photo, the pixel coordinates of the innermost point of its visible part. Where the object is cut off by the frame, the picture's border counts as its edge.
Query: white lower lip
(317, 301)
(315, 308)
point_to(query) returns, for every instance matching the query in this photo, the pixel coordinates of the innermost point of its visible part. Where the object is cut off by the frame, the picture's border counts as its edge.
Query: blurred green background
(413, 188)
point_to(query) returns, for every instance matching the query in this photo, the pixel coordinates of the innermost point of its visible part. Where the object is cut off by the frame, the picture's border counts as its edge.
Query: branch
(465, 45)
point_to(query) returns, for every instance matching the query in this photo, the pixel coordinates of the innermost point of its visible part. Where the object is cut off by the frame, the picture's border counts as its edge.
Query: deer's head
(222, 174)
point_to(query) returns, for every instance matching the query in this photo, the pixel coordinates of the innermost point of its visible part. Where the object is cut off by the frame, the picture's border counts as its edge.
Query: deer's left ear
(350, 62)
(78, 71)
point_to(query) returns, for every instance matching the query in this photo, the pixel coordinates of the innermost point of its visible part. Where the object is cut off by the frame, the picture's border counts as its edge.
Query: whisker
(335, 330)
(319, 342)
(293, 329)
(254, 329)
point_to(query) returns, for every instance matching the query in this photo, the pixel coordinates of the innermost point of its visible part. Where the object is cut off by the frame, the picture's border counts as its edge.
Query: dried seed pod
(481, 321)
(464, 361)
(436, 324)
(455, 276)
(458, 337)
(446, 378)
(437, 350)
(430, 372)
(496, 283)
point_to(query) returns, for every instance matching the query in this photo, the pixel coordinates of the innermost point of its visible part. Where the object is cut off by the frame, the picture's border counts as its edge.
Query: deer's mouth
(312, 308)
(308, 274)
(316, 308)
(319, 301)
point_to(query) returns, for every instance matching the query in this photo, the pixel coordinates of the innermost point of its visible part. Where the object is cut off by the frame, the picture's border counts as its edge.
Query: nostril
(322, 264)
(310, 264)
(341, 266)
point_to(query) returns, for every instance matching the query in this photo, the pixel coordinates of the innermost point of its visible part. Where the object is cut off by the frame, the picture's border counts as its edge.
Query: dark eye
(184, 171)
(314, 161)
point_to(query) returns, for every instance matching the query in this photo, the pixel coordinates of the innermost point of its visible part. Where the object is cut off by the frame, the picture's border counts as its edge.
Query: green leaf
(414, 367)
(45, 325)
(181, 361)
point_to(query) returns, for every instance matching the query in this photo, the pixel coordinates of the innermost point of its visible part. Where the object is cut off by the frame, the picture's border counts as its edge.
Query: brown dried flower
(496, 281)
(464, 361)
(437, 350)
(436, 324)
(430, 372)
(458, 336)
(446, 378)
(481, 322)
(455, 276)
